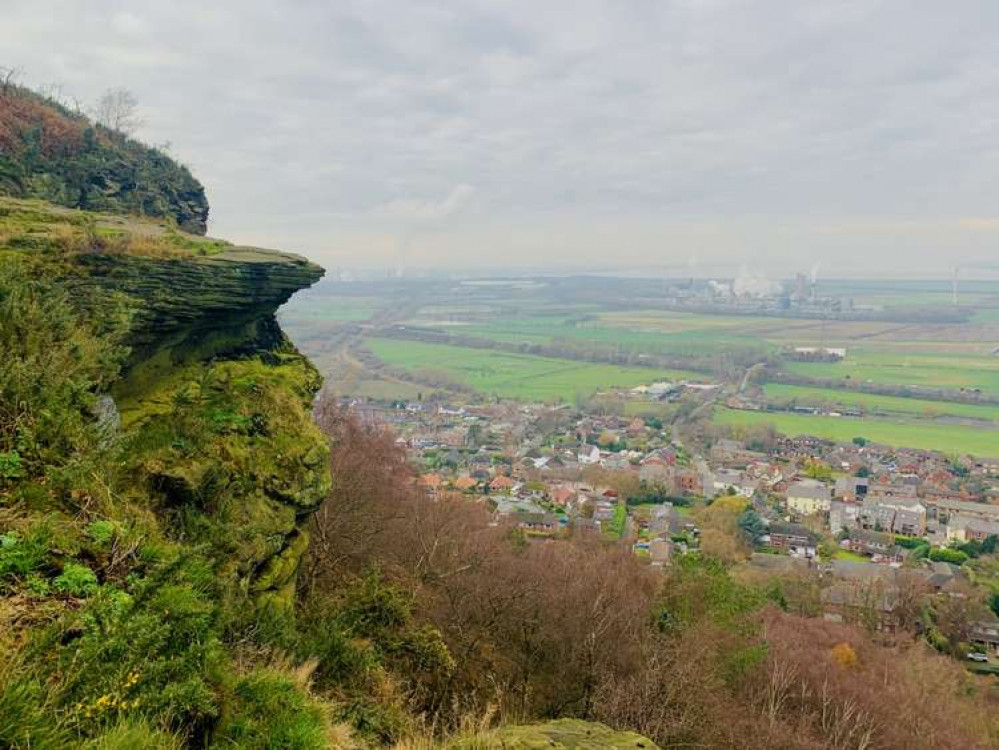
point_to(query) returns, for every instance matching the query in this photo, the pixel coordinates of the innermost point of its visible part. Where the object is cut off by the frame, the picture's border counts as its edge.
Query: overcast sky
(570, 134)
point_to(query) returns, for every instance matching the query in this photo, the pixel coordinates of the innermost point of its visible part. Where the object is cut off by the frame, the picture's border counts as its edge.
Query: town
(872, 527)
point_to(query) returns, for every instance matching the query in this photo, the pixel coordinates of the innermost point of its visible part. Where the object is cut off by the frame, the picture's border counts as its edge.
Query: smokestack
(954, 286)
(815, 278)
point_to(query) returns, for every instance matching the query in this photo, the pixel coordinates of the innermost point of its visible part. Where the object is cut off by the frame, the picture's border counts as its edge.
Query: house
(730, 481)
(872, 603)
(655, 470)
(808, 498)
(615, 461)
(538, 523)
(843, 516)
(660, 551)
(637, 427)
(792, 538)
(465, 484)
(687, 482)
(603, 510)
(899, 515)
(501, 484)
(779, 563)
(881, 491)
(588, 455)
(969, 528)
(948, 506)
(659, 521)
(431, 484)
(851, 488)
(733, 453)
(985, 633)
(873, 543)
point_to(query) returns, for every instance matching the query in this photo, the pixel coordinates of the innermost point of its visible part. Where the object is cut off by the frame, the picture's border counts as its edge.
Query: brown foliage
(20, 113)
(881, 698)
(566, 628)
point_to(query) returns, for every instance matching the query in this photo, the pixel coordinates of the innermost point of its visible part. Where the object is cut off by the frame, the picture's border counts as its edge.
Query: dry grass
(475, 732)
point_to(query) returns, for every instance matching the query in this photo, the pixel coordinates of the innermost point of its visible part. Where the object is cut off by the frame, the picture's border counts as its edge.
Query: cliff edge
(210, 405)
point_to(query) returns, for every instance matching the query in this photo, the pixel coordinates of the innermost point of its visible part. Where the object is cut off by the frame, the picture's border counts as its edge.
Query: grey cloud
(594, 131)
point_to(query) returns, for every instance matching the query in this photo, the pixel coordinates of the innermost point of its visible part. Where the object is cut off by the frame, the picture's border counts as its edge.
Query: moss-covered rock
(213, 405)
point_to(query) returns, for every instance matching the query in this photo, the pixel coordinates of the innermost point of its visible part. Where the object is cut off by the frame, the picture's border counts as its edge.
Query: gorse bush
(149, 649)
(53, 365)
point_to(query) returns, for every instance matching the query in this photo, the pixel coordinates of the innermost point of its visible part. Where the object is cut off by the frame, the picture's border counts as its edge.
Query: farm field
(943, 371)
(900, 433)
(514, 375)
(324, 307)
(782, 393)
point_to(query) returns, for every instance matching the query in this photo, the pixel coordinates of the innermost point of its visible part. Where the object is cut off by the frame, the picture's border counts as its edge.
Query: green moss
(175, 508)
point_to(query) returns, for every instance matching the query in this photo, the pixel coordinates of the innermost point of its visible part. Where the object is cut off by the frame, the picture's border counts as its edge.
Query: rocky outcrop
(213, 406)
(195, 308)
(204, 333)
(54, 154)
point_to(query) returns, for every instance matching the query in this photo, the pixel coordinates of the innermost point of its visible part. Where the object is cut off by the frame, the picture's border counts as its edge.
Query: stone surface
(214, 402)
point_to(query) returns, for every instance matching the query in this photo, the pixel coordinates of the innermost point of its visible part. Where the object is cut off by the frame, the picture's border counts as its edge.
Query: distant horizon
(429, 133)
(387, 272)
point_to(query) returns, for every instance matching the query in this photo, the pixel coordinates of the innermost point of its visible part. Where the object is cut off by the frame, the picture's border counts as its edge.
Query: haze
(566, 136)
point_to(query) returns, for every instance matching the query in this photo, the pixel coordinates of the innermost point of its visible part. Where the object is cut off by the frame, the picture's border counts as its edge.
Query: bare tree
(118, 110)
(9, 77)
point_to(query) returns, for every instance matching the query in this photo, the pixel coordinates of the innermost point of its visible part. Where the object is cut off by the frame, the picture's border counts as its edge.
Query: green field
(781, 393)
(943, 371)
(899, 433)
(318, 307)
(514, 375)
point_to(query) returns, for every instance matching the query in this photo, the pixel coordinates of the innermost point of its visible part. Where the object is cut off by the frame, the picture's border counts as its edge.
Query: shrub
(953, 556)
(10, 465)
(101, 532)
(844, 655)
(76, 580)
(21, 556)
(36, 585)
(152, 649)
(270, 711)
(54, 361)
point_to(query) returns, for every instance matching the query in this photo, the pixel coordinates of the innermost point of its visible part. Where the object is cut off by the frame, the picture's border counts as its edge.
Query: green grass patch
(516, 376)
(943, 370)
(845, 554)
(912, 434)
(781, 393)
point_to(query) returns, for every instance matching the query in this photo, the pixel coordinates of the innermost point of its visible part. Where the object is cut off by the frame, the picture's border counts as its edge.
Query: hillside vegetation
(54, 154)
(194, 554)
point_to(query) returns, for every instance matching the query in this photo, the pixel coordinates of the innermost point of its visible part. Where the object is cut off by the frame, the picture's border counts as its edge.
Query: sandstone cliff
(213, 402)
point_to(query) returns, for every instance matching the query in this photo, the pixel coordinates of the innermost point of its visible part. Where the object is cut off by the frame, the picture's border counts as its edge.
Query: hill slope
(50, 153)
